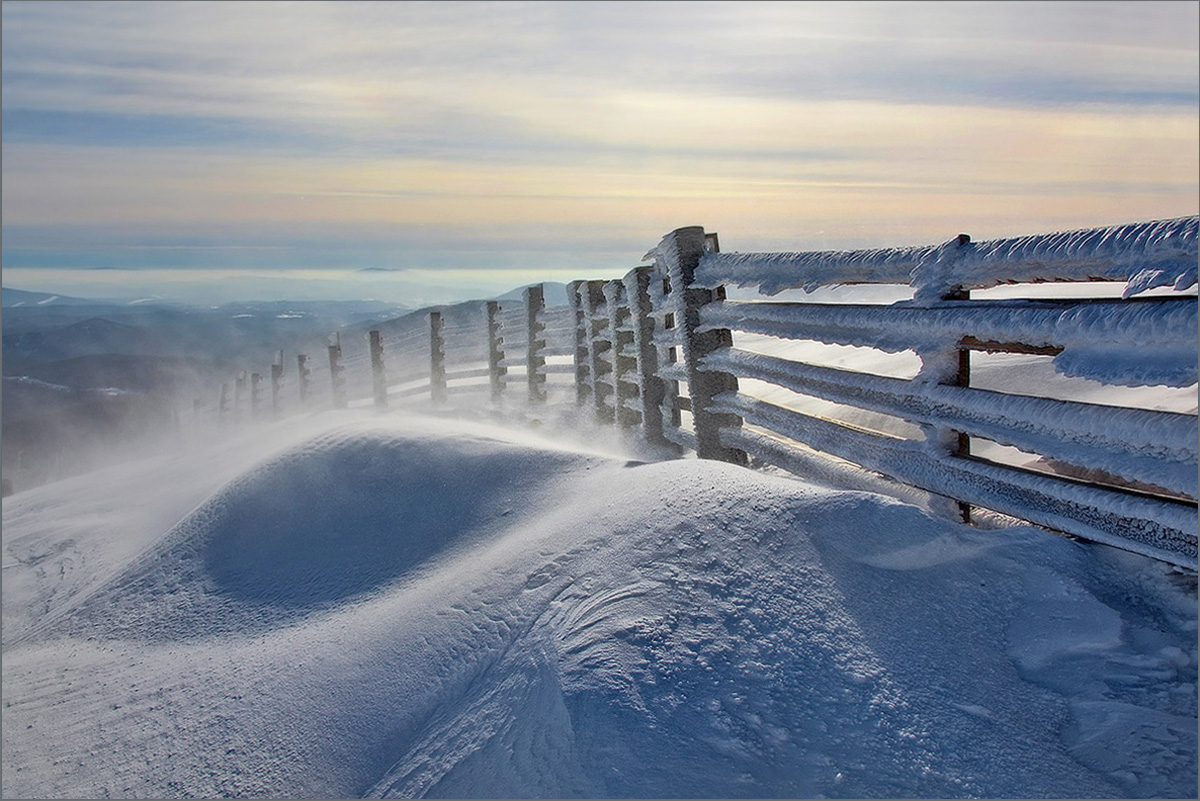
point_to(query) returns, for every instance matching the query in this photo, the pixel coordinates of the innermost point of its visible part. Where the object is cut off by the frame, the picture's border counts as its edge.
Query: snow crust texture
(408, 607)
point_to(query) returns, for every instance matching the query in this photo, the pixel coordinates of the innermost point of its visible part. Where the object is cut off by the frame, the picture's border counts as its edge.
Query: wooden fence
(667, 355)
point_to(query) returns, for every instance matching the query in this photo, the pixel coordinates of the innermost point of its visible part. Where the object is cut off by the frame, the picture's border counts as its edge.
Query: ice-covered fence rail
(658, 348)
(1129, 343)
(465, 341)
(559, 323)
(465, 349)
(1144, 255)
(1141, 465)
(1158, 448)
(356, 370)
(407, 350)
(1160, 528)
(413, 341)
(513, 328)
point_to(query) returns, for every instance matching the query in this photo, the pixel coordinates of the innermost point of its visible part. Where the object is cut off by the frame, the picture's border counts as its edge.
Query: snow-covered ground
(405, 605)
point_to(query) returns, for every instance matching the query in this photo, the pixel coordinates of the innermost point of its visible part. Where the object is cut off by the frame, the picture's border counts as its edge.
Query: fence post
(378, 374)
(302, 373)
(583, 366)
(624, 359)
(336, 381)
(223, 401)
(950, 364)
(496, 370)
(437, 358)
(535, 360)
(678, 255)
(255, 395)
(276, 384)
(599, 350)
(667, 354)
(239, 391)
(651, 389)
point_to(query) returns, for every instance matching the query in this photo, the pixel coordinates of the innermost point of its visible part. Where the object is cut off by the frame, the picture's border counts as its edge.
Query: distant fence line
(654, 354)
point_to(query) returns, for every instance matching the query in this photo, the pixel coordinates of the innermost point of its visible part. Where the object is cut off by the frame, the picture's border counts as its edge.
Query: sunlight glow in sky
(563, 139)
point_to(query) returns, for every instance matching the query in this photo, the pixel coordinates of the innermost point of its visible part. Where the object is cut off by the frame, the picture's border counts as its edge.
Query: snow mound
(414, 608)
(331, 520)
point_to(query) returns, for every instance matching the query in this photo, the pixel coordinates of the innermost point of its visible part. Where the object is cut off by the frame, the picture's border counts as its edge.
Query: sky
(424, 152)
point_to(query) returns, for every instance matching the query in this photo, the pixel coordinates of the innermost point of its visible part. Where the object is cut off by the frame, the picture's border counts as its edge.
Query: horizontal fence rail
(664, 355)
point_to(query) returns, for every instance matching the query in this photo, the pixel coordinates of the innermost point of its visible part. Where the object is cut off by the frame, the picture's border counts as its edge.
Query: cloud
(735, 153)
(302, 61)
(386, 134)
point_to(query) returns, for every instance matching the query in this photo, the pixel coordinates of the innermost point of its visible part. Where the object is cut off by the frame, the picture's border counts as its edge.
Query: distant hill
(241, 330)
(83, 376)
(15, 298)
(340, 309)
(123, 372)
(555, 292)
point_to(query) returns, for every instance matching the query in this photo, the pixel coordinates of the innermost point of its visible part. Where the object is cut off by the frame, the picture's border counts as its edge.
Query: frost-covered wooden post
(437, 358)
(496, 369)
(624, 360)
(937, 279)
(651, 389)
(302, 373)
(677, 257)
(255, 395)
(535, 359)
(599, 349)
(576, 290)
(378, 374)
(239, 392)
(276, 384)
(336, 379)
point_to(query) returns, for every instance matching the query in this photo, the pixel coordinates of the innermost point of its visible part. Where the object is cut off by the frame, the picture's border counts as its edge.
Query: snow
(402, 605)
(1145, 255)
(37, 382)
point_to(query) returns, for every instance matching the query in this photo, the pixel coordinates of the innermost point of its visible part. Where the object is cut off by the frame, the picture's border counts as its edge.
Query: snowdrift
(403, 606)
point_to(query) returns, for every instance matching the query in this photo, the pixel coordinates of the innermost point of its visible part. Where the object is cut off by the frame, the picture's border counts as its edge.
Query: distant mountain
(44, 423)
(323, 306)
(89, 336)
(347, 311)
(16, 298)
(83, 376)
(249, 330)
(555, 293)
(465, 313)
(127, 373)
